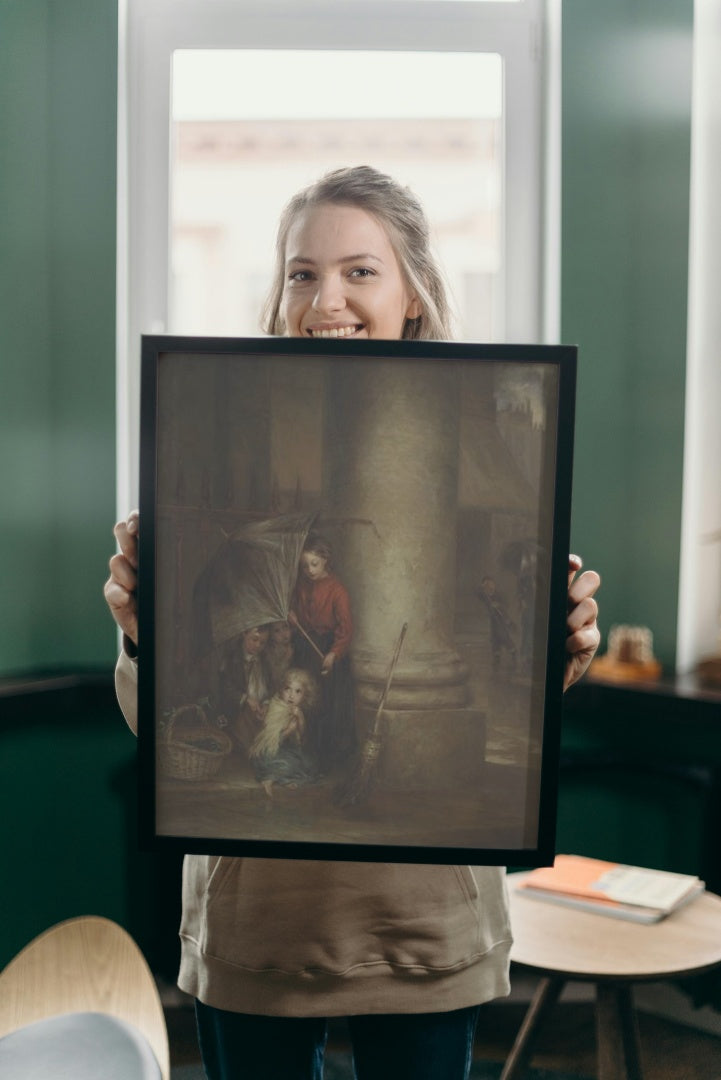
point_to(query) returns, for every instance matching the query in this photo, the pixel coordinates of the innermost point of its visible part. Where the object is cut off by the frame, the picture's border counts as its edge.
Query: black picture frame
(439, 477)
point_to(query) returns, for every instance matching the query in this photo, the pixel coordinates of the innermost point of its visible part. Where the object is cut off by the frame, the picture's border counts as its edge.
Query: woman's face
(342, 277)
(313, 565)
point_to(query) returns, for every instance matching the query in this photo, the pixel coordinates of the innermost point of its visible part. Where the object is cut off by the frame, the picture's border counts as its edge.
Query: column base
(428, 749)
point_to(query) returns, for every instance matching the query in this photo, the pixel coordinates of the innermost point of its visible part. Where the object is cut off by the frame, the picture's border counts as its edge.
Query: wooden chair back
(86, 964)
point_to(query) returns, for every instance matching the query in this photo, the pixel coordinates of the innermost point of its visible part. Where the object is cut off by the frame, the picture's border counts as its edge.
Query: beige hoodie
(298, 938)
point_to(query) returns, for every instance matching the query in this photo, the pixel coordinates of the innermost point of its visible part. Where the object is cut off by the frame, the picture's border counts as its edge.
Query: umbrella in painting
(250, 579)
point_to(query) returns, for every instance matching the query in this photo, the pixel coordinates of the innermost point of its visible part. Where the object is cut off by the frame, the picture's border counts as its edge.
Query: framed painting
(352, 597)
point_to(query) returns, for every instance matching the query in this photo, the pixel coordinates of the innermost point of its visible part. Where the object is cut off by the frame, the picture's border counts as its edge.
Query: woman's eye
(300, 276)
(362, 272)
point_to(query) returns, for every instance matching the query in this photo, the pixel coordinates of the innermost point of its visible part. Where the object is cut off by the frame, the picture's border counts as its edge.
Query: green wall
(58, 73)
(625, 200)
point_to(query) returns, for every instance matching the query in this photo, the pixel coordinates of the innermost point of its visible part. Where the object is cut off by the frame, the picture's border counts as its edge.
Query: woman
(270, 949)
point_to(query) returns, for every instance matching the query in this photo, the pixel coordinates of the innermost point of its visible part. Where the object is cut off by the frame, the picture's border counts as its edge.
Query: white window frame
(699, 597)
(526, 34)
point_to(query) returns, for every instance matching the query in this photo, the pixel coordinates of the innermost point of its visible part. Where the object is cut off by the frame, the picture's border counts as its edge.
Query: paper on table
(652, 888)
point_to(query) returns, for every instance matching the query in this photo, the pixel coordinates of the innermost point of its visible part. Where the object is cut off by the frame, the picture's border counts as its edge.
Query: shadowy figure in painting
(503, 629)
(520, 557)
(244, 685)
(278, 752)
(321, 615)
(279, 653)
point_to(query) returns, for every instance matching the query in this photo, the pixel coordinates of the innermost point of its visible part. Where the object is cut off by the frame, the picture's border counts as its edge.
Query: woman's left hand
(582, 633)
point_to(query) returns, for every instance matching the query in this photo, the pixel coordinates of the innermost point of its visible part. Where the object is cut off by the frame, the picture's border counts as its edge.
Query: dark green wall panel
(58, 78)
(61, 787)
(68, 798)
(626, 146)
(26, 489)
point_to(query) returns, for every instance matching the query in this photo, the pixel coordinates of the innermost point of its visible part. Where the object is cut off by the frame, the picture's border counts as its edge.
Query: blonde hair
(311, 690)
(267, 742)
(402, 216)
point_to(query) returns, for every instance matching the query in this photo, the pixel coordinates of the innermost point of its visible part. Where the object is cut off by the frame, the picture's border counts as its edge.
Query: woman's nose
(329, 296)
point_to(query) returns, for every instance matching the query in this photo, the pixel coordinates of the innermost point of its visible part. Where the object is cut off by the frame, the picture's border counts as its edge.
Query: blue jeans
(415, 1046)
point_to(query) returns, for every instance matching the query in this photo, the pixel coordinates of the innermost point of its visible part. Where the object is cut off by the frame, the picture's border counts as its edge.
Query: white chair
(80, 1002)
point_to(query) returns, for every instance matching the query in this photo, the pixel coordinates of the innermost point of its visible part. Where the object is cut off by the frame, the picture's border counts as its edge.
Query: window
(235, 160)
(227, 107)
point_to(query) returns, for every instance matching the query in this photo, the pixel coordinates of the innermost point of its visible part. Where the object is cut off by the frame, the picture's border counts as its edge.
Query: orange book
(633, 892)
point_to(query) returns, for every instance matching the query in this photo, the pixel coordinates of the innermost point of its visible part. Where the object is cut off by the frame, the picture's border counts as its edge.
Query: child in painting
(279, 652)
(321, 614)
(278, 753)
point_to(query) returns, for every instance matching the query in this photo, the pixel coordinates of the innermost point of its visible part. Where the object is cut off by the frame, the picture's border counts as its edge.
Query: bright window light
(259, 84)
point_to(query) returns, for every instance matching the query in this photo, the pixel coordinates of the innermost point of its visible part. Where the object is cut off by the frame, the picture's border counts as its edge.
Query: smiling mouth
(336, 331)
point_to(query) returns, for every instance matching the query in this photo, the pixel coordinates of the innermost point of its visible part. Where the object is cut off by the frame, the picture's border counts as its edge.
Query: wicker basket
(193, 750)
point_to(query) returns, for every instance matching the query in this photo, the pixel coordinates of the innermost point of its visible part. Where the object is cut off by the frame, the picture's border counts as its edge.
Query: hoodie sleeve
(126, 688)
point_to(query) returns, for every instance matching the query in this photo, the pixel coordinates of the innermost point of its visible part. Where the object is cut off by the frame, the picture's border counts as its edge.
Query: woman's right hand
(121, 587)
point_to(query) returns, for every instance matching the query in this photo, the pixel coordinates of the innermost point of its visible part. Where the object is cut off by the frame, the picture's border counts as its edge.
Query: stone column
(391, 486)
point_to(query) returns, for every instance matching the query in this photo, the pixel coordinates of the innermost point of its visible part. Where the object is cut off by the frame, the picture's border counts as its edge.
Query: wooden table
(563, 944)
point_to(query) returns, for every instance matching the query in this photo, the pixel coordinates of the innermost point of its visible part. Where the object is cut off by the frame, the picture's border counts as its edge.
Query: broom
(309, 639)
(365, 772)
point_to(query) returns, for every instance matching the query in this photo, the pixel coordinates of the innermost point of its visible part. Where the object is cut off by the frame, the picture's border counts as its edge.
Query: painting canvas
(352, 597)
